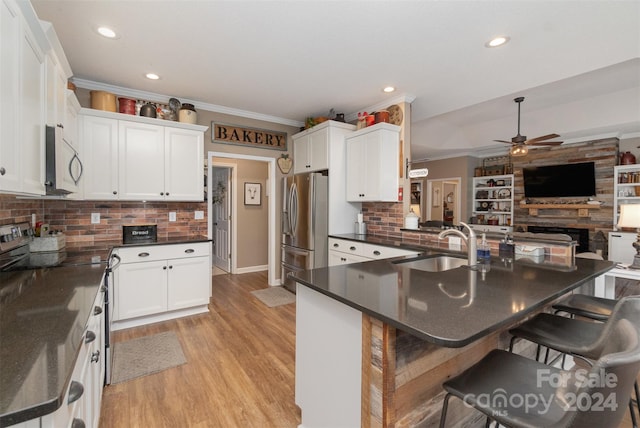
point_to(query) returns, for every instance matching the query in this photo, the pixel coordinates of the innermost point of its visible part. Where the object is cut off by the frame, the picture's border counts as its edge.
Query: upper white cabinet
(323, 147)
(141, 158)
(311, 150)
(99, 148)
(373, 162)
(22, 98)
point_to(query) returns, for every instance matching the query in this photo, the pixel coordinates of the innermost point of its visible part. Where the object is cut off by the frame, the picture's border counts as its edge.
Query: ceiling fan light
(519, 150)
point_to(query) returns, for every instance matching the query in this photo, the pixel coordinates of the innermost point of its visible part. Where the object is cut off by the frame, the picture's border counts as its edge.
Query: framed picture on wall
(252, 193)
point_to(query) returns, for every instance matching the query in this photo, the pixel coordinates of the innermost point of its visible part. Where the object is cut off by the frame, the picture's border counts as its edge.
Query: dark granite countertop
(43, 313)
(451, 308)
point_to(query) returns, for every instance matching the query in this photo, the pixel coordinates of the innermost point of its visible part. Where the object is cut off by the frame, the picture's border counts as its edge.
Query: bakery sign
(252, 137)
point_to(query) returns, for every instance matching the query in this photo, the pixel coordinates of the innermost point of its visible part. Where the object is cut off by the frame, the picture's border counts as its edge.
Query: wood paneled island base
(402, 377)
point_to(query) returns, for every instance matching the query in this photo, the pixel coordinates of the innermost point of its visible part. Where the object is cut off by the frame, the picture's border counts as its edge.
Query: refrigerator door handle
(293, 209)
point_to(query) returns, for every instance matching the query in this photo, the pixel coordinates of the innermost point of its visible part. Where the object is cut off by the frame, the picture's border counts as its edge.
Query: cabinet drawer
(163, 252)
(382, 252)
(349, 247)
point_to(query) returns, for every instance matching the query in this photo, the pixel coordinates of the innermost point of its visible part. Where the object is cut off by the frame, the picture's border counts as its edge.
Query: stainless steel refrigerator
(304, 224)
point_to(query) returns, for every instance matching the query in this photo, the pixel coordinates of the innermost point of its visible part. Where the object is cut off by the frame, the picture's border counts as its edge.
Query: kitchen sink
(433, 263)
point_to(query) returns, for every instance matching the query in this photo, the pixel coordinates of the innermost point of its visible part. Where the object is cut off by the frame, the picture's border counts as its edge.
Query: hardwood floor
(240, 369)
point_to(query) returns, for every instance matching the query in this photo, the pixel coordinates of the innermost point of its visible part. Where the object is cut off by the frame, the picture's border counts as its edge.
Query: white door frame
(233, 178)
(457, 181)
(270, 192)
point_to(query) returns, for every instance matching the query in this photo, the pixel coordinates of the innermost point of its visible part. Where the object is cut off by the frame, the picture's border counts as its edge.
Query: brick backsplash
(383, 218)
(74, 218)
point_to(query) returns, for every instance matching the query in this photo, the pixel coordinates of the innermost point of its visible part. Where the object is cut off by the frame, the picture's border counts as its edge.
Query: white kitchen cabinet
(22, 98)
(141, 159)
(373, 158)
(99, 148)
(327, 141)
(621, 247)
(141, 289)
(184, 156)
(159, 282)
(311, 150)
(56, 91)
(344, 251)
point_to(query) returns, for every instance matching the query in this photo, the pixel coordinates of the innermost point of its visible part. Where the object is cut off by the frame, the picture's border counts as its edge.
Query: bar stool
(579, 338)
(501, 383)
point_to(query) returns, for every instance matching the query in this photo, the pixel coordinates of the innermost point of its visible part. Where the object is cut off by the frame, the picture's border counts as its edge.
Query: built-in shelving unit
(626, 188)
(493, 202)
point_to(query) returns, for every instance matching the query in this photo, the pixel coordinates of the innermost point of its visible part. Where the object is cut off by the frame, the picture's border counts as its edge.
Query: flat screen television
(573, 179)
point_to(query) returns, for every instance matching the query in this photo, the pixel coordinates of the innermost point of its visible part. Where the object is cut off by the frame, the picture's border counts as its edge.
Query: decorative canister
(411, 220)
(627, 158)
(102, 100)
(127, 105)
(148, 110)
(382, 116)
(187, 114)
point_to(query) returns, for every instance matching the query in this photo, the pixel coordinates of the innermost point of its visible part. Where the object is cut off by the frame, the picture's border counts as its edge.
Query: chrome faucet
(471, 241)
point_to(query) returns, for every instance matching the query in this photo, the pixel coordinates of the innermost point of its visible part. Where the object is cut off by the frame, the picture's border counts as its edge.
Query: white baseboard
(250, 269)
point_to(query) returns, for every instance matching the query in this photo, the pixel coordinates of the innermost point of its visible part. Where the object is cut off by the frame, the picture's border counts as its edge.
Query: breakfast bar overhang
(376, 340)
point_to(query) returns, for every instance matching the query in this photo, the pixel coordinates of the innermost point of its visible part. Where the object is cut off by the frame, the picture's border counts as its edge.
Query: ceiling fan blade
(545, 143)
(503, 141)
(544, 137)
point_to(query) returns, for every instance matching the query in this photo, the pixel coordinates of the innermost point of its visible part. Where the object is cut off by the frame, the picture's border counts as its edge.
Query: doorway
(443, 200)
(217, 159)
(221, 195)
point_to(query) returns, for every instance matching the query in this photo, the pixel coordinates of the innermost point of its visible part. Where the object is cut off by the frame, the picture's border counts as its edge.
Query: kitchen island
(375, 340)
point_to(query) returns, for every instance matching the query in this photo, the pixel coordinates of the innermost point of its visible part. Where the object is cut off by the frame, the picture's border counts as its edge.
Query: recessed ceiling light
(497, 41)
(107, 32)
(152, 76)
(389, 89)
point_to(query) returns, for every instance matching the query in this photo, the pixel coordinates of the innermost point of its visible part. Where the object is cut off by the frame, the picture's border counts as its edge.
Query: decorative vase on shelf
(627, 158)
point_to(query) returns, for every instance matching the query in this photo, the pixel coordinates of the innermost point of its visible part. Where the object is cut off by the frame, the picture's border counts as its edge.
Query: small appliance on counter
(361, 226)
(139, 234)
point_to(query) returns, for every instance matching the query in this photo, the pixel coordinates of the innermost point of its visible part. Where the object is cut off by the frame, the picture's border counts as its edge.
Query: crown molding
(153, 96)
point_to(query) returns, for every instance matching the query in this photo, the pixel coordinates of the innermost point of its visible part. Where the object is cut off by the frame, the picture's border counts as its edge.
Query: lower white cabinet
(621, 246)
(344, 251)
(159, 282)
(81, 403)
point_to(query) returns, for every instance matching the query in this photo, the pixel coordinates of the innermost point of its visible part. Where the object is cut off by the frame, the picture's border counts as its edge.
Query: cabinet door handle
(77, 423)
(336, 245)
(115, 192)
(167, 194)
(189, 250)
(75, 391)
(352, 248)
(376, 253)
(161, 193)
(2, 171)
(95, 357)
(89, 337)
(143, 255)
(97, 310)
(616, 236)
(164, 268)
(170, 267)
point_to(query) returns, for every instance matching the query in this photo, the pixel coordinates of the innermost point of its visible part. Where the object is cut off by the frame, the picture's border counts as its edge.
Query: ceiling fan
(519, 143)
